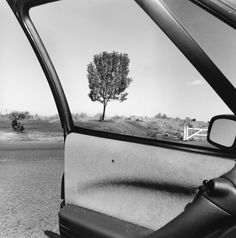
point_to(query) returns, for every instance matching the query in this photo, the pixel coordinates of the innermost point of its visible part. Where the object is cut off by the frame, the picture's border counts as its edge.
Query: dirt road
(30, 177)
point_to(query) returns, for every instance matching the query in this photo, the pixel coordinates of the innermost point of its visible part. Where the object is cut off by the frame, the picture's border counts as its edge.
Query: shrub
(15, 124)
(98, 116)
(82, 115)
(161, 116)
(187, 119)
(116, 117)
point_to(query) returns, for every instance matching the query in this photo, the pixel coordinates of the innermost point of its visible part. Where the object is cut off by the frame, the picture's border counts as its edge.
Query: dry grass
(35, 130)
(168, 129)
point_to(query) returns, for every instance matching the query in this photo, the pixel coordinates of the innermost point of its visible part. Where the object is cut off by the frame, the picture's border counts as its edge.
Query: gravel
(30, 175)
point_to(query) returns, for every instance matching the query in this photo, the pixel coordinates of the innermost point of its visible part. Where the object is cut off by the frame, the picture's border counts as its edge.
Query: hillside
(168, 129)
(35, 130)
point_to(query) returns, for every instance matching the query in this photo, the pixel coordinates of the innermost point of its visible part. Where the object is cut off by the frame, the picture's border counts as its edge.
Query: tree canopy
(108, 78)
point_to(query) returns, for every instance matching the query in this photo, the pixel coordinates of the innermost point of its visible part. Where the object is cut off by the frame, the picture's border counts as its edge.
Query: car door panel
(78, 221)
(141, 184)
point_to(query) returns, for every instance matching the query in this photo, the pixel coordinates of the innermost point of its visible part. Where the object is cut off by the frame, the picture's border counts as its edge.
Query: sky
(74, 31)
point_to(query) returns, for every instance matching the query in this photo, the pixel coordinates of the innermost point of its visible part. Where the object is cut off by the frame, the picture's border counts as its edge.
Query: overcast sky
(73, 31)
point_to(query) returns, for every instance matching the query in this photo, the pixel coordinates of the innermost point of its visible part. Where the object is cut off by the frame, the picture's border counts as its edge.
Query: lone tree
(108, 78)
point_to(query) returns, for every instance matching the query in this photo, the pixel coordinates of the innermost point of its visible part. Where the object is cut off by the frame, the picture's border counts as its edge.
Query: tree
(108, 78)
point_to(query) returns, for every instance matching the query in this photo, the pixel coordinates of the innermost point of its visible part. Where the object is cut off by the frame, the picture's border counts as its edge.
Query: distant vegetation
(161, 126)
(16, 118)
(27, 115)
(37, 128)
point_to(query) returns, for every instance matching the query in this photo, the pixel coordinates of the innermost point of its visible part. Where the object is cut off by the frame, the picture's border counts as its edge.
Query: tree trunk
(104, 110)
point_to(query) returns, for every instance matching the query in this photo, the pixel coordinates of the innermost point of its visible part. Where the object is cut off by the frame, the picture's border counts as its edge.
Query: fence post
(185, 133)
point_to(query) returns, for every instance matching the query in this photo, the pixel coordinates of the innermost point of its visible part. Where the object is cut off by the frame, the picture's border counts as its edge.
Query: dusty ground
(33, 136)
(30, 175)
(35, 130)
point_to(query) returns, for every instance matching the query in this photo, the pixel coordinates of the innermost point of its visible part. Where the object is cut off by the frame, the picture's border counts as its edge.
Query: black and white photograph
(117, 119)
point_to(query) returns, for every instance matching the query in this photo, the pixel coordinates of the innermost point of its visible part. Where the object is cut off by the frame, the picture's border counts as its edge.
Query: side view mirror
(222, 132)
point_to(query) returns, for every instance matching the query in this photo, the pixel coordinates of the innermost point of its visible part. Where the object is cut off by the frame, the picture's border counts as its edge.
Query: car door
(129, 176)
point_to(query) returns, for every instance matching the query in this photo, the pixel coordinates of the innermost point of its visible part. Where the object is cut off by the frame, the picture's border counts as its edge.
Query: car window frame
(164, 19)
(220, 9)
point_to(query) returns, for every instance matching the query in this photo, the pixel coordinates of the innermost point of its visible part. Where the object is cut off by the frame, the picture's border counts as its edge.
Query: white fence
(190, 132)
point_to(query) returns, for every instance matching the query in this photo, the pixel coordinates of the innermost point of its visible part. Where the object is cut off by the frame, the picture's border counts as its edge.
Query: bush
(82, 115)
(116, 117)
(98, 116)
(160, 116)
(77, 116)
(187, 119)
(14, 117)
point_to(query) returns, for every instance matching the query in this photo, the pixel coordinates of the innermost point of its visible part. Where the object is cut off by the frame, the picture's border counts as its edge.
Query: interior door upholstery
(142, 184)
